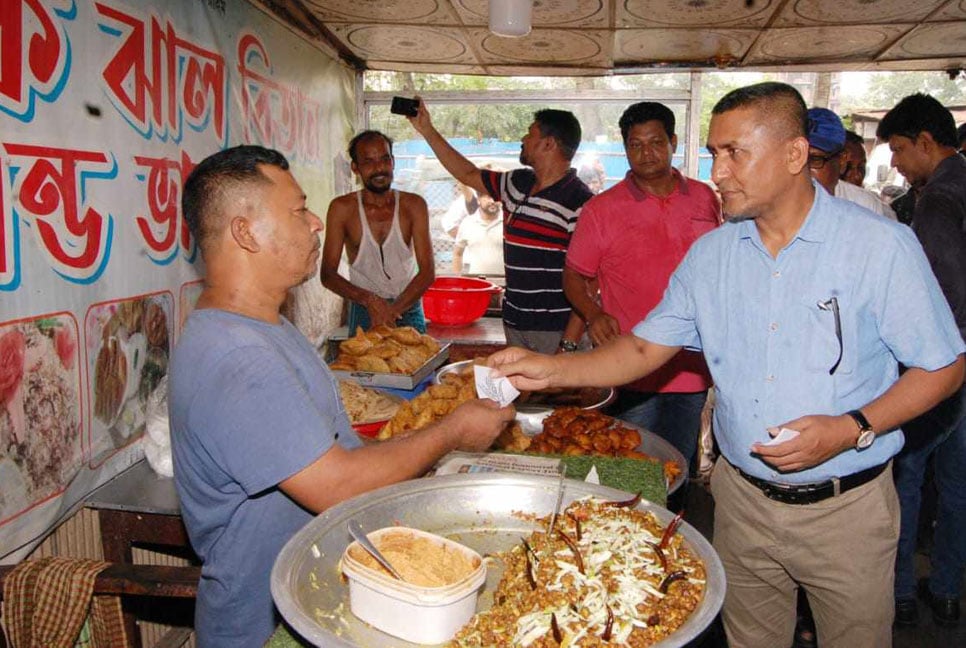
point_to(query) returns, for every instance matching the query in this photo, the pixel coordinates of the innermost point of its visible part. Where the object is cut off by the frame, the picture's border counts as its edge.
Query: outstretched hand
(526, 370)
(820, 438)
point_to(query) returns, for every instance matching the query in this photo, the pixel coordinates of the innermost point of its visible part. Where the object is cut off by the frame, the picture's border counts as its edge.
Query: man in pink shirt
(629, 239)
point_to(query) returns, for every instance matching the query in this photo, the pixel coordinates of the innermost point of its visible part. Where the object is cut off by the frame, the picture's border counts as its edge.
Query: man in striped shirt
(541, 205)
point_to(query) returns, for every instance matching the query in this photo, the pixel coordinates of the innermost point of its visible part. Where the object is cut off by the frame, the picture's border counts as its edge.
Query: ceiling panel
(804, 44)
(694, 13)
(599, 36)
(861, 12)
(637, 47)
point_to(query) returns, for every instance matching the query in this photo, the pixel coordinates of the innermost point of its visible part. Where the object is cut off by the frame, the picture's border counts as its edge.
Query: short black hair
(643, 112)
(215, 177)
(851, 137)
(961, 133)
(919, 113)
(561, 125)
(364, 135)
(775, 98)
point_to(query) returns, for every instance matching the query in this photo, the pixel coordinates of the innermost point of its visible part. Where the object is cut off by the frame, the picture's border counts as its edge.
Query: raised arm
(451, 159)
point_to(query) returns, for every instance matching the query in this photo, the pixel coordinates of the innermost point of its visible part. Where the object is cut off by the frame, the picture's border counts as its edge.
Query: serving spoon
(359, 535)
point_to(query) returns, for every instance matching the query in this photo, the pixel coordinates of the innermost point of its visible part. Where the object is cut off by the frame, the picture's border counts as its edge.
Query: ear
(924, 142)
(550, 143)
(674, 143)
(796, 152)
(355, 169)
(241, 231)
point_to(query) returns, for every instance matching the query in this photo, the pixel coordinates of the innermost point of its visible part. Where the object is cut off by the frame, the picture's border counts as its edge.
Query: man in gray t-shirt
(259, 436)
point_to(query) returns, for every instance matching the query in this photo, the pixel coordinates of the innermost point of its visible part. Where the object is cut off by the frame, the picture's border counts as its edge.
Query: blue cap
(825, 130)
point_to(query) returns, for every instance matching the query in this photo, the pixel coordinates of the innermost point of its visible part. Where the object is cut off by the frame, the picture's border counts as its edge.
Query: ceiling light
(510, 17)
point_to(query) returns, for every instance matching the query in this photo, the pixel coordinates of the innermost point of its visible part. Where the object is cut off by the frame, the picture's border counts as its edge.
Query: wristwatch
(866, 433)
(568, 346)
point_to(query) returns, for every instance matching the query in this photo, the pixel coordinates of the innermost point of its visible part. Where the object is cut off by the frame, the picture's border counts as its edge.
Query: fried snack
(372, 363)
(364, 405)
(571, 431)
(384, 349)
(356, 345)
(435, 403)
(513, 439)
(608, 580)
(407, 335)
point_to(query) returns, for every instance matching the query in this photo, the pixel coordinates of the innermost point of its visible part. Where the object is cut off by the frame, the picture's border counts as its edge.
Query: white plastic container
(423, 615)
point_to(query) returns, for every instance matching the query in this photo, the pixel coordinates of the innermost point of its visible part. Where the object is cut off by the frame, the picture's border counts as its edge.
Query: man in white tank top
(385, 234)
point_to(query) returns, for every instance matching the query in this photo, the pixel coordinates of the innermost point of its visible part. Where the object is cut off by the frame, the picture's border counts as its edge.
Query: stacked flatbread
(364, 405)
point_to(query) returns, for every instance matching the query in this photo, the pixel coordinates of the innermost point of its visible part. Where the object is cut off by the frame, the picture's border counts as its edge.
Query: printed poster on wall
(105, 107)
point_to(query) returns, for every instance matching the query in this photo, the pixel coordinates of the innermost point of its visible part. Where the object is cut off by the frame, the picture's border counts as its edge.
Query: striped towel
(46, 601)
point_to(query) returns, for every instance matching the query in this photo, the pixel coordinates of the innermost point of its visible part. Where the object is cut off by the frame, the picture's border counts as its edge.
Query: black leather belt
(812, 493)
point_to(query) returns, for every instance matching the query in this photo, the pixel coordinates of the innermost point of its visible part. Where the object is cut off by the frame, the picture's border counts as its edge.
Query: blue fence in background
(412, 158)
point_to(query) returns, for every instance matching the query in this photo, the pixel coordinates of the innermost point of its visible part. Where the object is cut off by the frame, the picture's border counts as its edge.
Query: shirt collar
(639, 194)
(817, 225)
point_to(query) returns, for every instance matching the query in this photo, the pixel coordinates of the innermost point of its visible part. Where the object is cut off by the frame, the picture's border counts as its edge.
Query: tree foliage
(887, 88)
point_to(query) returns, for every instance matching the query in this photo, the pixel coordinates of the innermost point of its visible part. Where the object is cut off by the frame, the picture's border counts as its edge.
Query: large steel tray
(479, 510)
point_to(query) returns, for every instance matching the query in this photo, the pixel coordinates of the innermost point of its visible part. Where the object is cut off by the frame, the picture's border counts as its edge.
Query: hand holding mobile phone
(404, 106)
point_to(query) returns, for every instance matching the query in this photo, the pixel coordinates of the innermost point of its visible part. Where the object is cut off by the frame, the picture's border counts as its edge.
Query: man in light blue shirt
(803, 305)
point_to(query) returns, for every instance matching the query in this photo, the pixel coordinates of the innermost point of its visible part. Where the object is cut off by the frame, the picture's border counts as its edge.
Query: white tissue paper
(784, 434)
(497, 388)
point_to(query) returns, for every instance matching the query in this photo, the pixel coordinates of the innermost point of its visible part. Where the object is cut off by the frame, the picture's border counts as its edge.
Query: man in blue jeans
(922, 136)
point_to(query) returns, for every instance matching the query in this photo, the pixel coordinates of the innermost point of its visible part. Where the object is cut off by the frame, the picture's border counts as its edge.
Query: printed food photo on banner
(40, 412)
(128, 344)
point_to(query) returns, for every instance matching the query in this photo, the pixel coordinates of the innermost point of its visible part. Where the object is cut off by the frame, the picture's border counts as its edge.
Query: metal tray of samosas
(378, 379)
(482, 511)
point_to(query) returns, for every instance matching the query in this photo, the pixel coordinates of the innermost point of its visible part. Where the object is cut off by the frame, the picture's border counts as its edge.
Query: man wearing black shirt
(922, 137)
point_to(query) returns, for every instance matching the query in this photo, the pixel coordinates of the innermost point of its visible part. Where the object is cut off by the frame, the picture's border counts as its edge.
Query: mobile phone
(404, 106)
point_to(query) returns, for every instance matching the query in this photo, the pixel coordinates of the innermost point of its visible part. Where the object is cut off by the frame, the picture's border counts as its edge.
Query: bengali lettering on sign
(160, 81)
(163, 230)
(50, 187)
(276, 114)
(34, 54)
(106, 106)
(9, 244)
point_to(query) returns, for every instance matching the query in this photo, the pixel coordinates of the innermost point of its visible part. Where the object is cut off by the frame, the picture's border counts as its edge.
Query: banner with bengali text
(105, 107)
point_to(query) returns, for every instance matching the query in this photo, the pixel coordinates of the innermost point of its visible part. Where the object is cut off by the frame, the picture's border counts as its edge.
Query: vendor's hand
(526, 370)
(381, 312)
(478, 422)
(602, 328)
(422, 122)
(820, 438)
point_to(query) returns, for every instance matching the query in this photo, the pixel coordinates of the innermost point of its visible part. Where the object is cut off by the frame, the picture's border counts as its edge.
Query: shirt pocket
(825, 348)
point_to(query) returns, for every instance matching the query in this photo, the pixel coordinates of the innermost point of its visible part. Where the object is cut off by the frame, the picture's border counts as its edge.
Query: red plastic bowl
(457, 301)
